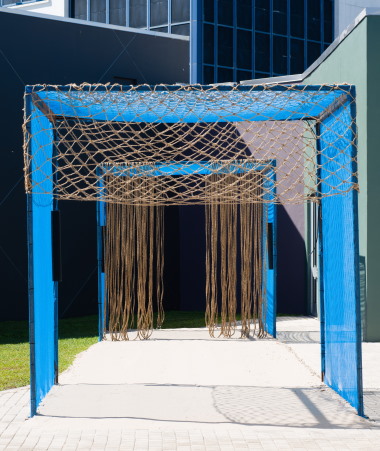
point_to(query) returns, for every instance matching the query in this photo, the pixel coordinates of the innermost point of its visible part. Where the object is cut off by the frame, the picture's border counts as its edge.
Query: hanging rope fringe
(134, 264)
(222, 244)
(235, 262)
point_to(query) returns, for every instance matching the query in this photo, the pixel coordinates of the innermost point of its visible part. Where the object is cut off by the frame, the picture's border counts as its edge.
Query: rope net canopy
(179, 136)
(236, 150)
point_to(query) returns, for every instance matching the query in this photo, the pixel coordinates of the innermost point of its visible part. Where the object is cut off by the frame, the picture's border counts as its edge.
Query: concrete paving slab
(183, 390)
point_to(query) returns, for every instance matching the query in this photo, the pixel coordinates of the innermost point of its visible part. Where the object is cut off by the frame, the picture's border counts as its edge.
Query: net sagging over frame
(102, 130)
(142, 148)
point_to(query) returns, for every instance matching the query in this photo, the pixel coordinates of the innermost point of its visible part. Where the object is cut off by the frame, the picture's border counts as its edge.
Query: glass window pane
(261, 75)
(137, 13)
(225, 12)
(244, 13)
(262, 52)
(208, 10)
(98, 10)
(158, 12)
(242, 75)
(313, 52)
(184, 29)
(161, 29)
(328, 21)
(280, 16)
(225, 75)
(117, 12)
(297, 18)
(262, 19)
(314, 20)
(79, 9)
(244, 49)
(180, 10)
(225, 45)
(208, 75)
(280, 55)
(297, 59)
(208, 43)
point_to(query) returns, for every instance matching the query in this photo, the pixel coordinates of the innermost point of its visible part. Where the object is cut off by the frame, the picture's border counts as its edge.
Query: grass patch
(75, 336)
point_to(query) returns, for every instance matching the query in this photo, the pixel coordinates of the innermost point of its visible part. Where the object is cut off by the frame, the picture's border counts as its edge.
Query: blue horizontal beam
(186, 168)
(189, 104)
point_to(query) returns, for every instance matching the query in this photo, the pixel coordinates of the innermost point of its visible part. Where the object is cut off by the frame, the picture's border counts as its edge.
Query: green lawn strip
(76, 335)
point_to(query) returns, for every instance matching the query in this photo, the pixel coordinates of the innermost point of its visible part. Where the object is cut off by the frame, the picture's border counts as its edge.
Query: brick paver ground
(230, 416)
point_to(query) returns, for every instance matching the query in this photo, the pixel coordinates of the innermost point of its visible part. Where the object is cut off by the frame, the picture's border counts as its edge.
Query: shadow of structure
(297, 336)
(312, 407)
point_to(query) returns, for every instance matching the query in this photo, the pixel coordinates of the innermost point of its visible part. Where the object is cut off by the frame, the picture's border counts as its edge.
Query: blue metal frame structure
(199, 168)
(270, 253)
(339, 231)
(339, 262)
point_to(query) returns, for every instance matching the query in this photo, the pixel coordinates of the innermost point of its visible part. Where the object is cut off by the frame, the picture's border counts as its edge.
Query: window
(297, 58)
(117, 12)
(243, 75)
(138, 13)
(244, 13)
(183, 29)
(158, 12)
(98, 10)
(280, 17)
(244, 49)
(314, 20)
(79, 9)
(262, 52)
(328, 20)
(225, 42)
(297, 17)
(208, 42)
(225, 12)
(262, 18)
(208, 74)
(280, 55)
(208, 10)
(313, 52)
(160, 29)
(180, 11)
(225, 75)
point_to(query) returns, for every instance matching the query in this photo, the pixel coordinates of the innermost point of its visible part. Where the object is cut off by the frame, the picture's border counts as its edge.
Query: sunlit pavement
(182, 390)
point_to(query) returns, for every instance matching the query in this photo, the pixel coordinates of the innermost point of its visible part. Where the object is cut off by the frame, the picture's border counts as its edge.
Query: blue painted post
(320, 260)
(42, 290)
(340, 257)
(101, 222)
(270, 232)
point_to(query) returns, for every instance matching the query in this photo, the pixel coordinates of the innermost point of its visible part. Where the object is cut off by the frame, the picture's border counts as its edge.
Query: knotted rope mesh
(232, 149)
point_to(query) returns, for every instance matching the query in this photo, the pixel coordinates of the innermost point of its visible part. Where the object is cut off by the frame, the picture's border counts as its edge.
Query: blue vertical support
(100, 222)
(42, 290)
(340, 256)
(270, 249)
(320, 261)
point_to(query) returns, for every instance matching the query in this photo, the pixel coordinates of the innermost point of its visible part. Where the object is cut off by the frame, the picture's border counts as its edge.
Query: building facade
(231, 40)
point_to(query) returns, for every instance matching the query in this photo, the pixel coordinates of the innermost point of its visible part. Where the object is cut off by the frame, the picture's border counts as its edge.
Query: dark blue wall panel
(82, 53)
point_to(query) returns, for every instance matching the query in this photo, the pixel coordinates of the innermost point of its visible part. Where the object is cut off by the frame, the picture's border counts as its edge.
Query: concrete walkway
(182, 390)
